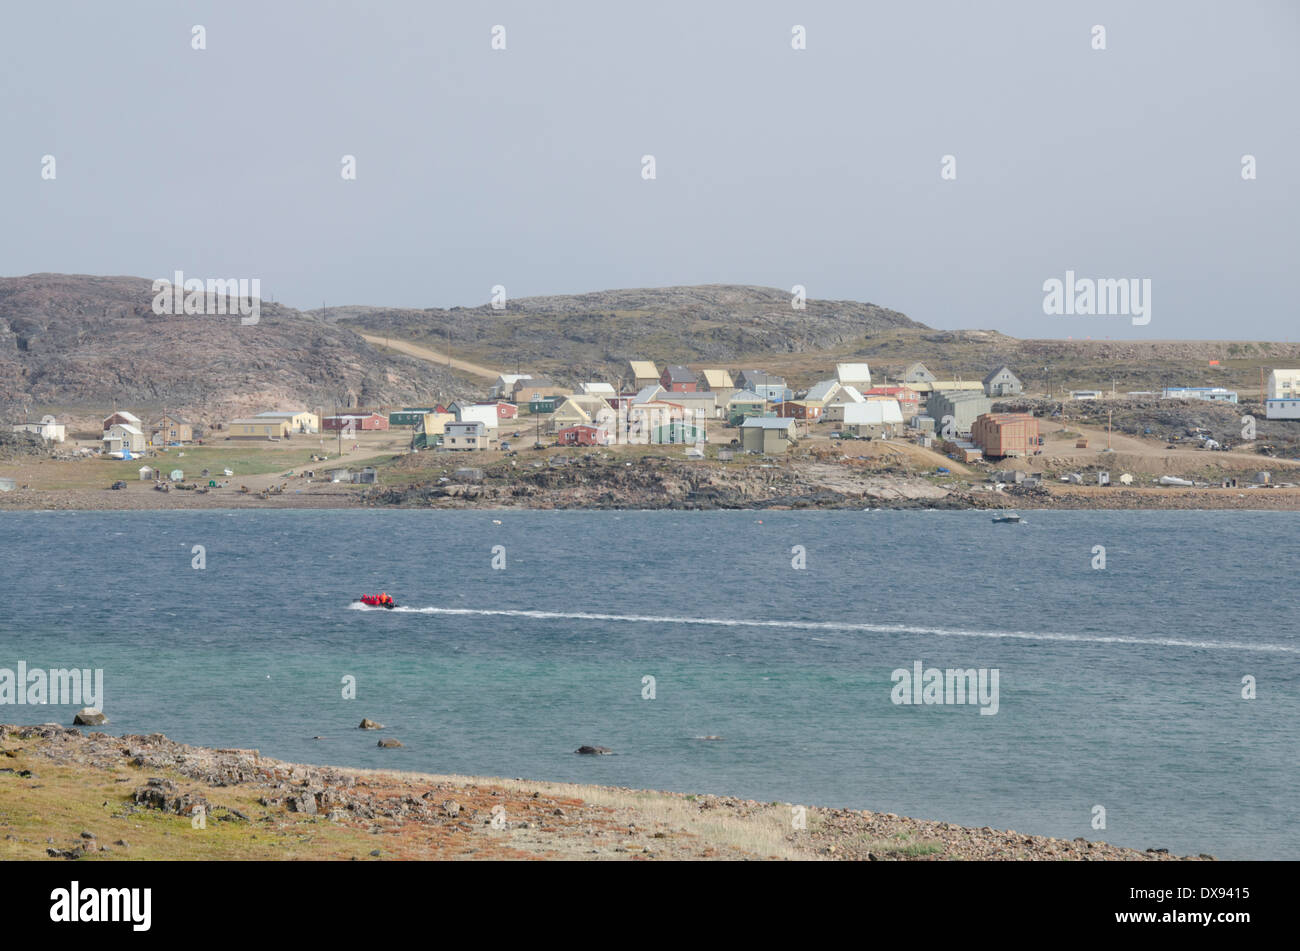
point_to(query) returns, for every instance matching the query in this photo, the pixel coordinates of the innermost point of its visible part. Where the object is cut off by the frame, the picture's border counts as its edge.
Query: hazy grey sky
(522, 167)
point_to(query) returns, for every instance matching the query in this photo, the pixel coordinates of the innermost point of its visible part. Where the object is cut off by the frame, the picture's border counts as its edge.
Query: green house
(409, 416)
(545, 404)
(744, 404)
(678, 433)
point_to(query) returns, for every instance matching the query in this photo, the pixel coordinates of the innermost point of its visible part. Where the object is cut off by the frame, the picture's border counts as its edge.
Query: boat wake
(844, 626)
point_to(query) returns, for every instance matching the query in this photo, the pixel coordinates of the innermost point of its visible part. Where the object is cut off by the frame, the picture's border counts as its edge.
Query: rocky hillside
(594, 335)
(75, 341)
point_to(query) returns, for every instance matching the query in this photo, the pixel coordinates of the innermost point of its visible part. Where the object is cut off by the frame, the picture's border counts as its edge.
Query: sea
(1140, 671)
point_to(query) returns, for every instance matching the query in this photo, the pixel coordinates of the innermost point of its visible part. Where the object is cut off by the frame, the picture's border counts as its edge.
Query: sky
(523, 167)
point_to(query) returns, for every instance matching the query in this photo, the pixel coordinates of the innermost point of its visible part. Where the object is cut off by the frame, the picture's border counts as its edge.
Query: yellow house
(258, 427)
(644, 373)
(578, 410)
(435, 424)
(300, 421)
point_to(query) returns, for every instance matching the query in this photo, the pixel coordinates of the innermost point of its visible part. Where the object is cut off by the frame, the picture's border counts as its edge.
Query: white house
(853, 374)
(1282, 409)
(873, 413)
(466, 434)
(471, 413)
(48, 429)
(1284, 385)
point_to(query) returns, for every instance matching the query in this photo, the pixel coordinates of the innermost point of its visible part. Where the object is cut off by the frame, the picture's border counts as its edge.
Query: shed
(466, 474)
(146, 474)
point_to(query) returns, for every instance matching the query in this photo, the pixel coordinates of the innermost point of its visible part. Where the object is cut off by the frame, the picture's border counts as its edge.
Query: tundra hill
(591, 336)
(587, 336)
(74, 343)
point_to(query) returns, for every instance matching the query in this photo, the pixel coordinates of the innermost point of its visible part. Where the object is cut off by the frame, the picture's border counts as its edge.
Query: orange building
(1005, 434)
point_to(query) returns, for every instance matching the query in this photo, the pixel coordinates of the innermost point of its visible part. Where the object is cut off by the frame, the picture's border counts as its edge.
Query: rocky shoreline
(163, 799)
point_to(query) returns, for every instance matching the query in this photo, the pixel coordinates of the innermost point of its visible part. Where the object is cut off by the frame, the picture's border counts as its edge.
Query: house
(918, 373)
(467, 412)
(123, 417)
(853, 374)
(356, 422)
(1282, 409)
(800, 409)
(643, 372)
(677, 432)
(834, 411)
(700, 404)
(644, 417)
(410, 415)
(299, 420)
(429, 428)
(530, 388)
(504, 387)
(48, 429)
(605, 390)
(254, 427)
(580, 410)
(963, 406)
(170, 429)
(1213, 394)
(1002, 382)
(123, 436)
(678, 379)
(1284, 385)
(719, 383)
(467, 435)
(873, 418)
(744, 403)
(909, 401)
(767, 434)
(504, 410)
(823, 392)
(1000, 435)
(582, 435)
(763, 383)
(545, 404)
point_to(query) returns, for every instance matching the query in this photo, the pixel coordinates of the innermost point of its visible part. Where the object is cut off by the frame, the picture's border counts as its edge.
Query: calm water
(1118, 687)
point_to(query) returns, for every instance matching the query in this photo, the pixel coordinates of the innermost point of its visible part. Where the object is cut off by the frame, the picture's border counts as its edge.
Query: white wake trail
(846, 626)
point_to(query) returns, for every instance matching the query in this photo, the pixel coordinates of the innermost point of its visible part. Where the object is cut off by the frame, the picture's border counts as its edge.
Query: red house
(909, 401)
(678, 379)
(582, 435)
(361, 422)
(504, 410)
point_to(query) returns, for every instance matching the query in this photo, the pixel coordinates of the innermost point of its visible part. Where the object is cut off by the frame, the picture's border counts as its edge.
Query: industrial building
(1000, 435)
(964, 406)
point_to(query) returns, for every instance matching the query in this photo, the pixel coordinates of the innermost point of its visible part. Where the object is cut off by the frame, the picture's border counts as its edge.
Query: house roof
(717, 379)
(679, 374)
(993, 374)
(126, 427)
(746, 396)
(643, 369)
(761, 378)
(603, 389)
(853, 373)
(767, 422)
(130, 417)
(851, 395)
(282, 414)
(822, 391)
(647, 393)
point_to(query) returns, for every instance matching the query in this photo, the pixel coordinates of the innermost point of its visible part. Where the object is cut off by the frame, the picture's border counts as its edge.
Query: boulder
(368, 724)
(593, 750)
(389, 743)
(89, 716)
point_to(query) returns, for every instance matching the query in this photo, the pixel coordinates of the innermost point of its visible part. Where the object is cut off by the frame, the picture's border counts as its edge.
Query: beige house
(122, 416)
(466, 435)
(770, 435)
(644, 373)
(122, 436)
(49, 429)
(300, 420)
(169, 428)
(435, 424)
(257, 427)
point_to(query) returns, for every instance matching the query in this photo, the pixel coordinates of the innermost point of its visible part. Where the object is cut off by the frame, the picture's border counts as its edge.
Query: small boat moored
(1008, 517)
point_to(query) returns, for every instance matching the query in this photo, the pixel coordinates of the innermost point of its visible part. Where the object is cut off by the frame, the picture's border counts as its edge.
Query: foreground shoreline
(69, 794)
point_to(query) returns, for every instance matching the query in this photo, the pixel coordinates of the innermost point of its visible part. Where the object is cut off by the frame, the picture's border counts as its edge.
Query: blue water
(1118, 687)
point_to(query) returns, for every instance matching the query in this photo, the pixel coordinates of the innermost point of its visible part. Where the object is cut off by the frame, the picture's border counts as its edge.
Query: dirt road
(433, 356)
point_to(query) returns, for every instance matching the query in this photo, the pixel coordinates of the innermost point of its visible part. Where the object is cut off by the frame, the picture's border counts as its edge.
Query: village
(931, 426)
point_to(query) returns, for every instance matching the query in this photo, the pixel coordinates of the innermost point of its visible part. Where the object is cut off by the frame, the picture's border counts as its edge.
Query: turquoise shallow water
(1118, 687)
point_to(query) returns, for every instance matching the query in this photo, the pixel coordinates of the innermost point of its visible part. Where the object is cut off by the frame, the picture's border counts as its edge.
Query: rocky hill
(70, 342)
(594, 335)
